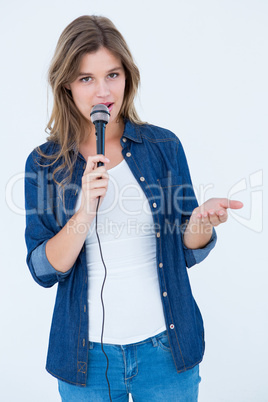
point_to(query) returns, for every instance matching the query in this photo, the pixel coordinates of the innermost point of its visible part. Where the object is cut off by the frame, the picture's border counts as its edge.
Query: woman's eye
(113, 75)
(86, 79)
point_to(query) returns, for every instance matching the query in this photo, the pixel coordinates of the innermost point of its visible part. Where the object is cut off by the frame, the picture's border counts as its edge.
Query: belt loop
(90, 345)
(154, 341)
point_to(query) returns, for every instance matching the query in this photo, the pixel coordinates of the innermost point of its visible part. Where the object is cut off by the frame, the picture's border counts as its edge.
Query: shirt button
(154, 204)
(124, 139)
(160, 265)
(158, 234)
(128, 154)
(85, 165)
(165, 294)
(142, 178)
(171, 326)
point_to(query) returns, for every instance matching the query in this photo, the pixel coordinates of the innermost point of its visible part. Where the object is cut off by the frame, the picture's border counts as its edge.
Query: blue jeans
(145, 369)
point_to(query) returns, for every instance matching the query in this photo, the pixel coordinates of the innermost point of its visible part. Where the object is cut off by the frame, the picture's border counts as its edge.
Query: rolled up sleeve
(42, 267)
(195, 256)
(40, 224)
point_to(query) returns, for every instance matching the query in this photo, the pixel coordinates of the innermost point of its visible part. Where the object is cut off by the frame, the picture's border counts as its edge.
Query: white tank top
(131, 295)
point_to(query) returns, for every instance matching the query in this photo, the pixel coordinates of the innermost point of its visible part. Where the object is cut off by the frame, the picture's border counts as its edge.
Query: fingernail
(108, 160)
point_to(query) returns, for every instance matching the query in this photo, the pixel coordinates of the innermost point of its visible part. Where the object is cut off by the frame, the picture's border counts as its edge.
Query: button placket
(158, 235)
(158, 232)
(128, 154)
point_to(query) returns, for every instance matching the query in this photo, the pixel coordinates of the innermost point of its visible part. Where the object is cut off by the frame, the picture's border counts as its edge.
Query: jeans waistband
(152, 339)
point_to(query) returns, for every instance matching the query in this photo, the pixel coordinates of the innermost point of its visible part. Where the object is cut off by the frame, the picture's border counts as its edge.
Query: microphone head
(100, 113)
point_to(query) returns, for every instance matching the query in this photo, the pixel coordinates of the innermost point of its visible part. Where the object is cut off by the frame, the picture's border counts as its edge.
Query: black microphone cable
(103, 310)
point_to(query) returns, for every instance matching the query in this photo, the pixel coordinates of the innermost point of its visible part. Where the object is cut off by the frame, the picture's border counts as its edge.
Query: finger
(205, 219)
(92, 162)
(222, 215)
(200, 219)
(96, 184)
(98, 192)
(94, 176)
(99, 172)
(96, 172)
(233, 204)
(196, 216)
(214, 219)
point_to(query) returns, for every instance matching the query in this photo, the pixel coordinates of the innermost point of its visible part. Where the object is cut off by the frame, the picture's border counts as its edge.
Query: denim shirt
(157, 161)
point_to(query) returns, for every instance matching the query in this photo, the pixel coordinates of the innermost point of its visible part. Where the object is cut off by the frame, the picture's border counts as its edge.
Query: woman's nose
(102, 89)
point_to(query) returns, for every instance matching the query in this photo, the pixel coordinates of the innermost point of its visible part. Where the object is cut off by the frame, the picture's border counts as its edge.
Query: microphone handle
(100, 138)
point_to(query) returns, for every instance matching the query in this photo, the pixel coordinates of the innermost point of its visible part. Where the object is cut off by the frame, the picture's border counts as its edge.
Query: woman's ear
(67, 86)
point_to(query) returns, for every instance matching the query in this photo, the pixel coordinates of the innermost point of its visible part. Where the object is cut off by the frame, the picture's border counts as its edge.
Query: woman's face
(101, 79)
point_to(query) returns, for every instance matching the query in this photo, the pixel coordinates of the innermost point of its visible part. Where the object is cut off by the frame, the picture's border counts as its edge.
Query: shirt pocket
(172, 198)
(170, 181)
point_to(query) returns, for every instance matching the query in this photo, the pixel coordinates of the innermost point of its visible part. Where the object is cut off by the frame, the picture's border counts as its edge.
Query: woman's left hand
(214, 211)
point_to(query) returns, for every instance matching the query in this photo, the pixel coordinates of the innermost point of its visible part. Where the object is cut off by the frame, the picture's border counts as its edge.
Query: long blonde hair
(67, 126)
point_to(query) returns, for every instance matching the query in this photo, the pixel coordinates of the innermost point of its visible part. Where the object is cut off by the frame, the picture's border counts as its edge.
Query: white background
(204, 76)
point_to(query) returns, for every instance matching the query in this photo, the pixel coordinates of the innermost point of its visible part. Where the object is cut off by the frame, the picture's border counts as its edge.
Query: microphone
(100, 117)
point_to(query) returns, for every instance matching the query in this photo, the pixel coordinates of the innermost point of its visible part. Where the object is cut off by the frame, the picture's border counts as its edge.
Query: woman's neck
(113, 134)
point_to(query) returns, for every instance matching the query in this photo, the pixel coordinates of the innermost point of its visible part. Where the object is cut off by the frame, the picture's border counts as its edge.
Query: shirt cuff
(42, 266)
(195, 256)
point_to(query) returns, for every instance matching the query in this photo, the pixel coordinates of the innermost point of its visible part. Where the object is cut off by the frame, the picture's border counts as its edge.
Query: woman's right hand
(94, 184)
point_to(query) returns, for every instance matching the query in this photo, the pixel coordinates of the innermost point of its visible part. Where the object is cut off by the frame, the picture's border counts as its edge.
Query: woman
(150, 229)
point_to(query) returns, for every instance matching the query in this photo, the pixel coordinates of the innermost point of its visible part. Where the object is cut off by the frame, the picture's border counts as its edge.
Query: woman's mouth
(109, 105)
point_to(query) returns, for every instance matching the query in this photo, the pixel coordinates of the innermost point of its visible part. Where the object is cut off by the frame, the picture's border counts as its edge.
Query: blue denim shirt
(157, 160)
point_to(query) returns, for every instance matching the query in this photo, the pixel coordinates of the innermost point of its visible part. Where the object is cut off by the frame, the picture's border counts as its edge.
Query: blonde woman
(149, 225)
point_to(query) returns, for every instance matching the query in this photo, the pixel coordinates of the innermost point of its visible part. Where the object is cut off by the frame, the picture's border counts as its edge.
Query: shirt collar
(132, 131)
